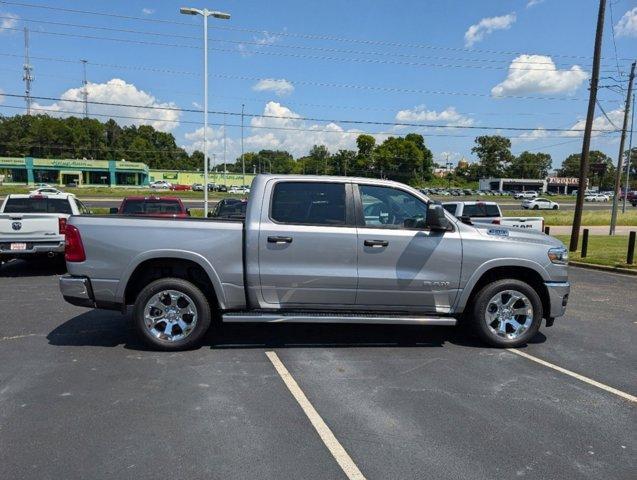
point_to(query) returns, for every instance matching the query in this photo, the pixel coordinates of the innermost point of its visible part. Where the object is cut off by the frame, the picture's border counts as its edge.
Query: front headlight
(558, 255)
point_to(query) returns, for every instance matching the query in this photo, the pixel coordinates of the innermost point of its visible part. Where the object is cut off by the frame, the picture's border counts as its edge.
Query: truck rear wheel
(171, 314)
(507, 313)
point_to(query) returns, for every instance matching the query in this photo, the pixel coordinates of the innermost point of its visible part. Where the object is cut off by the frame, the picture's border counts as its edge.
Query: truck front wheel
(507, 313)
(171, 314)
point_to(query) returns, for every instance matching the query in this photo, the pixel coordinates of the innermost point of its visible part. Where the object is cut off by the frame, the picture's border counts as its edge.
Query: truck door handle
(376, 243)
(279, 239)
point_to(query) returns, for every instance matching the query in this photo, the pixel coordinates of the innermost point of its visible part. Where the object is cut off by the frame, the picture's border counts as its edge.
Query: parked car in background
(152, 206)
(490, 212)
(32, 225)
(211, 187)
(179, 187)
(160, 184)
(596, 197)
(540, 204)
(46, 190)
(229, 208)
(527, 194)
(630, 196)
(235, 190)
(221, 188)
(197, 187)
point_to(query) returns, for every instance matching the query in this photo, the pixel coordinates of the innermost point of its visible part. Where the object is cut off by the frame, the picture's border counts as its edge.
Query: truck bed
(208, 242)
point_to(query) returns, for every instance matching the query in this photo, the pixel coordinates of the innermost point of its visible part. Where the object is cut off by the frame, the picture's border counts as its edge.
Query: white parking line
(330, 441)
(582, 378)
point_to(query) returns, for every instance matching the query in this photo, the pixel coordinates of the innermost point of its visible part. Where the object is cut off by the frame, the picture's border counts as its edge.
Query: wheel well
(156, 268)
(524, 274)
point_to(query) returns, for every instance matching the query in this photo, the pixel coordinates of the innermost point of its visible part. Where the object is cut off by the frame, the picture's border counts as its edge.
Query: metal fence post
(630, 256)
(584, 243)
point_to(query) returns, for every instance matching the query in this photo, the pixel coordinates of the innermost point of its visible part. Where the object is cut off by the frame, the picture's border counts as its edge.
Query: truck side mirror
(113, 210)
(465, 219)
(436, 218)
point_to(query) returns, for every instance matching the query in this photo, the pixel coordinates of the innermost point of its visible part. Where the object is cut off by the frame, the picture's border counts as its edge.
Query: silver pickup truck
(318, 249)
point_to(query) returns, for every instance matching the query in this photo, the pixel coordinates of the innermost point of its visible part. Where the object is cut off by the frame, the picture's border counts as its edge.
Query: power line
(606, 115)
(308, 119)
(371, 61)
(612, 26)
(300, 47)
(307, 36)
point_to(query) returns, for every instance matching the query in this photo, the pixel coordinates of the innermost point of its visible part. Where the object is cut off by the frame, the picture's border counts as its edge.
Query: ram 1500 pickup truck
(34, 225)
(489, 212)
(318, 249)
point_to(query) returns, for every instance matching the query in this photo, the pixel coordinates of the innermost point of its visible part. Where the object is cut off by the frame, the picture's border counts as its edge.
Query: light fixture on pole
(205, 13)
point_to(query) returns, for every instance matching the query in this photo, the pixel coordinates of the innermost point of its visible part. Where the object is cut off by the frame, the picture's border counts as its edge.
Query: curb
(603, 268)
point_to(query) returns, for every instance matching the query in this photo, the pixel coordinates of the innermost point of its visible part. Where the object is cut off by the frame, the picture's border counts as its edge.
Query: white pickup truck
(32, 225)
(489, 212)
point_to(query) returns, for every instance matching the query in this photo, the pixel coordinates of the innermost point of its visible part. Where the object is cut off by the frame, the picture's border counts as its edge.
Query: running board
(335, 318)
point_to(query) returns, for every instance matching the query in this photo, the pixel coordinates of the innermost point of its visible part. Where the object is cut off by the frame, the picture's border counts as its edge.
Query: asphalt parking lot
(80, 397)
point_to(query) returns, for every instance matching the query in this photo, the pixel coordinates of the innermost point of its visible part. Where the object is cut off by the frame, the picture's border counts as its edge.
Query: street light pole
(205, 13)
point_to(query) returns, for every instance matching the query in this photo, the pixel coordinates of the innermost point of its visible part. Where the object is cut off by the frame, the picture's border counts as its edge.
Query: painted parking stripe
(590, 381)
(330, 441)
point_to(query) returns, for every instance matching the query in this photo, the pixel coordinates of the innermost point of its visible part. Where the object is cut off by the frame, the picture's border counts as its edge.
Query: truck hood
(517, 235)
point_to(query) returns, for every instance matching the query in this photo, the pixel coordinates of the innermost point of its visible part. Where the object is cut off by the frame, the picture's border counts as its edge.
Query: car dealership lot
(80, 397)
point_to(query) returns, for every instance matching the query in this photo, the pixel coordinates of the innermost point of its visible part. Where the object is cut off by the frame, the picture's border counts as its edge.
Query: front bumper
(558, 297)
(77, 291)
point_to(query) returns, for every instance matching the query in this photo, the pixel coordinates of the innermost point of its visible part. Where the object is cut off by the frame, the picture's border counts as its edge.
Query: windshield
(38, 205)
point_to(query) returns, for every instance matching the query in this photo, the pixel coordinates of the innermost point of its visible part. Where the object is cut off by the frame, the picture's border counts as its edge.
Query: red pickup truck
(152, 206)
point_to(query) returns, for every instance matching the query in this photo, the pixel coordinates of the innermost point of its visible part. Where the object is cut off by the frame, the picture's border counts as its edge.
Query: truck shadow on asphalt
(100, 328)
(37, 267)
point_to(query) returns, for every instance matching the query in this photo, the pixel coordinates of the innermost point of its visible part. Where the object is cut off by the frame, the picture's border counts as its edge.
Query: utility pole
(27, 76)
(243, 160)
(630, 157)
(620, 157)
(225, 170)
(590, 114)
(85, 89)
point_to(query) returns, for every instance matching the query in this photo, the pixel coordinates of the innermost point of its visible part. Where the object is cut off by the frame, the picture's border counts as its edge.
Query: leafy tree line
(406, 159)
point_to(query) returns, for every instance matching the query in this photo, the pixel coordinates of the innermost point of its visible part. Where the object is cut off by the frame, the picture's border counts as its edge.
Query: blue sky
(443, 63)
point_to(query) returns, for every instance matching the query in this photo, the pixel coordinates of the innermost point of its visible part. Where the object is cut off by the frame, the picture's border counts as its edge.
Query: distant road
(194, 203)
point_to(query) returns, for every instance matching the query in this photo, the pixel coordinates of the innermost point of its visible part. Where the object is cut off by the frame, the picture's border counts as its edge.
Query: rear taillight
(62, 225)
(496, 222)
(542, 224)
(74, 250)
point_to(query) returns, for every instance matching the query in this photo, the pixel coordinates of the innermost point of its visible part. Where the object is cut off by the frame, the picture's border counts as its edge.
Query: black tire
(555, 207)
(480, 304)
(536, 207)
(200, 303)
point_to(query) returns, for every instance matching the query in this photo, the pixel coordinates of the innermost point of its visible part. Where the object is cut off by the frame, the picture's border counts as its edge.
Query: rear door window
(308, 203)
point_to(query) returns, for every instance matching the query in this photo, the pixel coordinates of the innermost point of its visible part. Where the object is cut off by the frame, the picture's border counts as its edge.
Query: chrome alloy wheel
(170, 315)
(509, 314)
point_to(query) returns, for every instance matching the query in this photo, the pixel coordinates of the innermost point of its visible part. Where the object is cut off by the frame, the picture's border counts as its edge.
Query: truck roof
(152, 197)
(331, 178)
(41, 195)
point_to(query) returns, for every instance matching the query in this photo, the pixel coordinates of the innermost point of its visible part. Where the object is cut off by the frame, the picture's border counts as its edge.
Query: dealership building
(563, 185)
(107, 173)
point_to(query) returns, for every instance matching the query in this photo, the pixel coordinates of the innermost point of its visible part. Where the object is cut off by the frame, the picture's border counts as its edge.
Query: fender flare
(171, 254)
(463, 298)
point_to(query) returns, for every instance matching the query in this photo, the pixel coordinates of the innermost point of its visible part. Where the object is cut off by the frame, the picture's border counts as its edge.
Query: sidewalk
(596, 230)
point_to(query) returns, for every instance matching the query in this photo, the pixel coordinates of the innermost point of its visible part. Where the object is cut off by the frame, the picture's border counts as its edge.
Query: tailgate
(533, 223)
(19, 226)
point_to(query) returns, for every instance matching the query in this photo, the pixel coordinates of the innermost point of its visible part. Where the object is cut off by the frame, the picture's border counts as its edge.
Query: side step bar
(269, 317)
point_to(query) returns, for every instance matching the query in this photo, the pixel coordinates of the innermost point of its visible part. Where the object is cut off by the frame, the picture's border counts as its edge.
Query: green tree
(494, 154)
(596, 177)
(530, 165)
(399, 159)
(317, 161)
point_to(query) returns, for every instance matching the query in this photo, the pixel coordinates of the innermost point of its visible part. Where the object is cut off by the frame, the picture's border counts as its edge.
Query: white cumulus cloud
(283, 129)
(478, 31)
(148, 11)
(215, 136)
(448, 116)
(279, 86)
(10, 20)
(601, 124)
(533, 3)
(538, 74)
(627, 25)
(120, 92)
